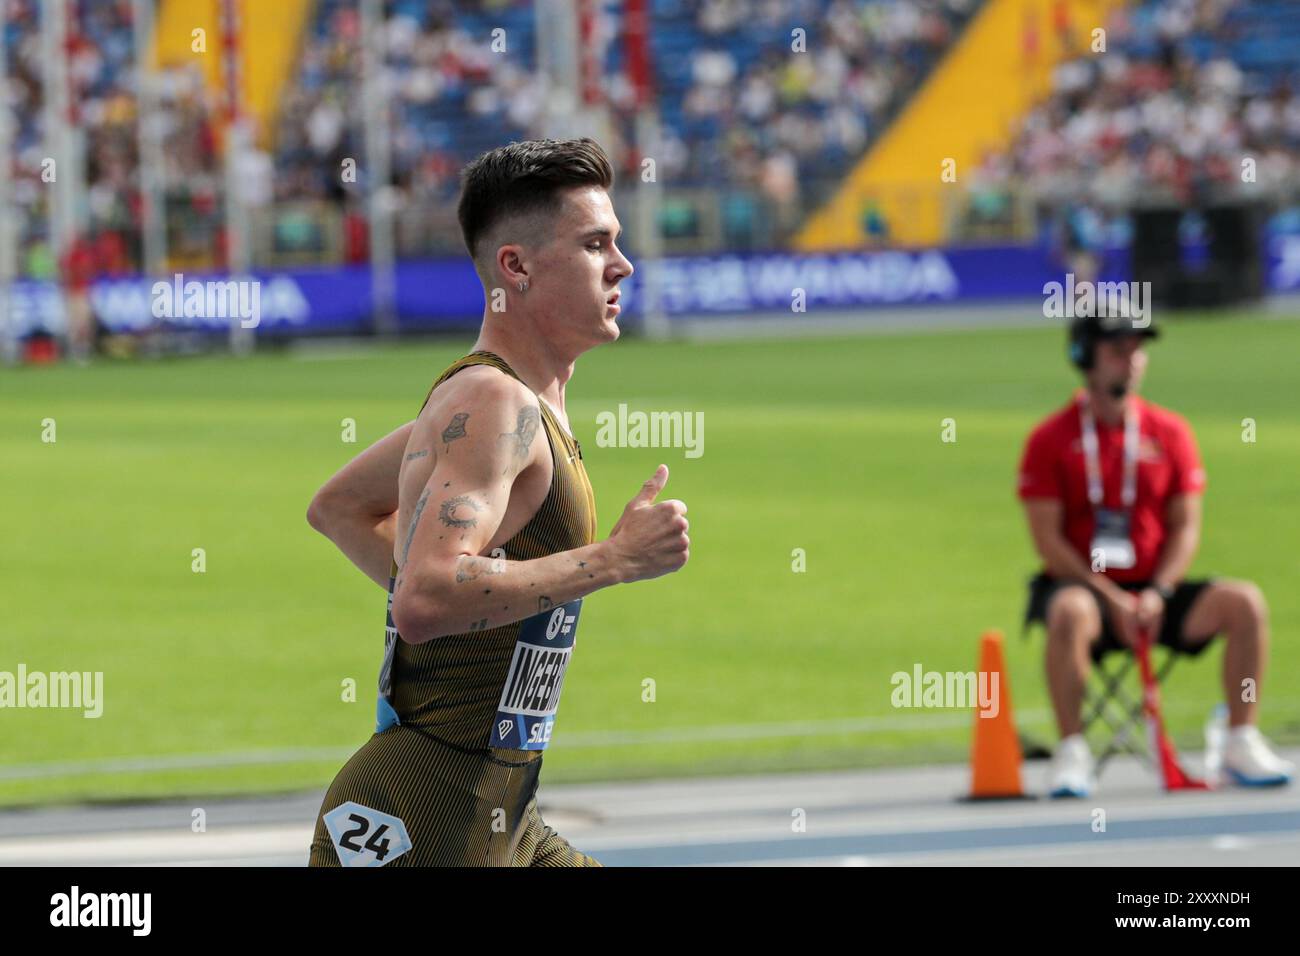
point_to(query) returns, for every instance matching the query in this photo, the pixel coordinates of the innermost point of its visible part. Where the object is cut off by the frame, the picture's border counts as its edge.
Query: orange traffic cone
(995, 750)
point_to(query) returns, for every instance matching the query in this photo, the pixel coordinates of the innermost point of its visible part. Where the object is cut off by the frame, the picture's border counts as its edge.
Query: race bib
(1111, 540)
(366, 837)
(531, 695)
(385, 715)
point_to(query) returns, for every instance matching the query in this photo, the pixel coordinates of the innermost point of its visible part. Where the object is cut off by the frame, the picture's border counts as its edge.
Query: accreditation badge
(1112, 540)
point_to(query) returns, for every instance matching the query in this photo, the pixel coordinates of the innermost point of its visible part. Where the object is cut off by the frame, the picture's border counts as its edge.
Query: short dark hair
(524, 179)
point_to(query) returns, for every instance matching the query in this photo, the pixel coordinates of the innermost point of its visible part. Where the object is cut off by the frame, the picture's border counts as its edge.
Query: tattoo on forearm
(544, 604)
(471, 566)
(448, 512)
(456, 429)
(524, 433)
(417, 454)
(415, 523)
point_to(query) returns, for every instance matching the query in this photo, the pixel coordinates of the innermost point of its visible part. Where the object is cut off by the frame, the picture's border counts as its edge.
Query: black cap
(1087, 329)
(1113, 326)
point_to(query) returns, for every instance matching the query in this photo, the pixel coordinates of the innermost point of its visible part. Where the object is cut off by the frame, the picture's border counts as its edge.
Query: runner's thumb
(651, 488)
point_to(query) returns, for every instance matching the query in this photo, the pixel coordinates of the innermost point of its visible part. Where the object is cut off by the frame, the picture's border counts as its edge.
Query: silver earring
(523, 285)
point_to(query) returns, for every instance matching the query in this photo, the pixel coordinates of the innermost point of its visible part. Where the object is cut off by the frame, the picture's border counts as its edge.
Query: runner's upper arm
(483, 429)
(365, 485)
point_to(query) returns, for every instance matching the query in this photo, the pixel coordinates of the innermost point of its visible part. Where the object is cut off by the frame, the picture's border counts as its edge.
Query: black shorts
(1042, 588)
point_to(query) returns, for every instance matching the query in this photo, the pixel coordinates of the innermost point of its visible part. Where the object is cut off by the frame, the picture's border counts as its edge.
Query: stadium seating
(737, 113)
(754, 138)
(1184, 93)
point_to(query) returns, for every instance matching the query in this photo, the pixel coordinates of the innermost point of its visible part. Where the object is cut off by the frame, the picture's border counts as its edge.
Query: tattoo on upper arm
(448, 512)
(524, 433)
(415, 522)
(456, 429)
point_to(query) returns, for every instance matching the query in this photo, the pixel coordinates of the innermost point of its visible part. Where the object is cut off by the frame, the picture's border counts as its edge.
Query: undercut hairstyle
(524, 181)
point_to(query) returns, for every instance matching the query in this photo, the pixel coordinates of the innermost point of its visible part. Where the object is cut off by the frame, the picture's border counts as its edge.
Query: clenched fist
(650, 539)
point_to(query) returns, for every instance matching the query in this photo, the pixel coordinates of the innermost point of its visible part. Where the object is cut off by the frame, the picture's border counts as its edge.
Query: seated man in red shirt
(1112, 486)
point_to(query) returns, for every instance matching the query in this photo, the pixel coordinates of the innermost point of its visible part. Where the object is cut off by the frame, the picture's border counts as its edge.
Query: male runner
(1112, 485)
(479, 519)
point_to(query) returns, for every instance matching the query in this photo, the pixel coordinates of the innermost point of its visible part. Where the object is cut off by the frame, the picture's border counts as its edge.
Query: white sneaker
(1072, 768)
(1249, 761)
(1216, 739)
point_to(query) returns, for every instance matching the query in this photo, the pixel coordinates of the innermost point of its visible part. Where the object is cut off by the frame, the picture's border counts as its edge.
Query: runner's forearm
(479, 593)
(365, 540)
(356, 508)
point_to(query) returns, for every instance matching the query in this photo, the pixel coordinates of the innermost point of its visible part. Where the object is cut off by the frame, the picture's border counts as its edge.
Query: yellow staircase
(272, 30)
(971, 103)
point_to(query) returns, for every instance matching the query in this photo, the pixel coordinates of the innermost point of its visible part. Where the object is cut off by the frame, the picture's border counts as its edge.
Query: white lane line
(719, 732)
(574, 741)
(1228, 841)
(289, 843)
(163, 763)
(159, 845)
(813, 861)
(927, 794)
(1154, 852)
(793, 728)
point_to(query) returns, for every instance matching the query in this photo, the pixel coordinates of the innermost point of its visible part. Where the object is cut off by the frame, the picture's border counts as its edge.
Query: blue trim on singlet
(385, 716)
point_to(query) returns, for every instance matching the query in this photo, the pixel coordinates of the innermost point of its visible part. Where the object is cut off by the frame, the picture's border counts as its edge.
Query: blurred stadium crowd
(763, 137)
(1186, 88)
(103, 84)
(775, 133)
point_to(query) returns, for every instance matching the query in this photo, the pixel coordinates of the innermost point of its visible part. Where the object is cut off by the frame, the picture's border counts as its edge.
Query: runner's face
(1121, 362)
(578, 272)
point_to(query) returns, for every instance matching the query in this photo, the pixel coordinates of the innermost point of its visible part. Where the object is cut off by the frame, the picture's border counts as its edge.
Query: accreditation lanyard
(1092, 455)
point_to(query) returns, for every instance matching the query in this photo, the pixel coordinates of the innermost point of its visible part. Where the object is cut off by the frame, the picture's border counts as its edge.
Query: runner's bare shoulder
(480, 403)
